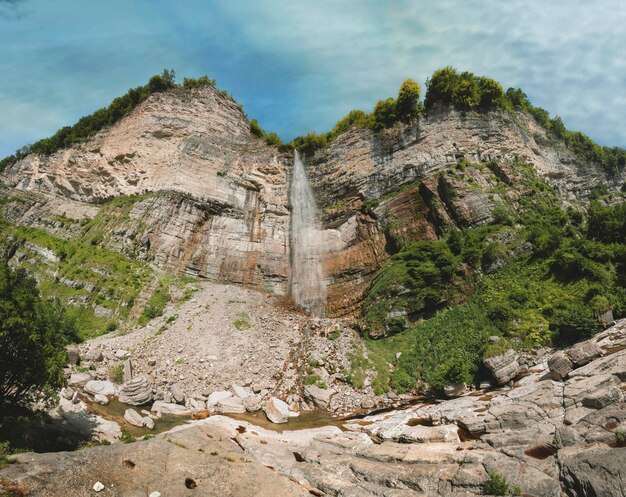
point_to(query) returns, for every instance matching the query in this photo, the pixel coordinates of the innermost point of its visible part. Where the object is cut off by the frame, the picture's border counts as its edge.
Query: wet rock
(136, 392)
(148, 422)
(73, 354)
(503, 367)
(133, 417)
(559, 365)
(101, 399)
(166, 408)
(276, 410)
(319, 396)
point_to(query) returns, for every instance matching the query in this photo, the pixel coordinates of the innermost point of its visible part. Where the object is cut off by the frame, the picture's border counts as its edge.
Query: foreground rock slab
(197, 461)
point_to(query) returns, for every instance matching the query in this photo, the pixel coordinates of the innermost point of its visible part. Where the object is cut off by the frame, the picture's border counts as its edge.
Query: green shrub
(407, 104)
(242, 322)
(116, 373)
(33, 333)
(496, 485)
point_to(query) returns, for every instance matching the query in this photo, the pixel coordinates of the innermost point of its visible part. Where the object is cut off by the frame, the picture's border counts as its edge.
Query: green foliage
(412, 281)
(551, 295)
(384, 114)
(155, 306)
(88, 126)
(242, 322)
(270, 138)
(407, 104)
(496, 485)
(32, 335)
(116, 373)
(85, 271)
(127, 437)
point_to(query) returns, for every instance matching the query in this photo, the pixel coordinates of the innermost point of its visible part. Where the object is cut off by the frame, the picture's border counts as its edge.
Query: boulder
(101, 387)
(583, 352)
(94, 355)
(121, 354)
(276, 410)
(601, 398)
(597, 470)
(253, 403)
(503, 367)
(215, 397)
(132, 417)
(589, 391)
(559, 365)
(454, 391)
(79, 379)
(136, 392)
(148, 422)
(230, 405)
(166, 408)
(240, 391)
(177, 393)
(101, 399)
(67, 393)
(73, 354)
(319, 396)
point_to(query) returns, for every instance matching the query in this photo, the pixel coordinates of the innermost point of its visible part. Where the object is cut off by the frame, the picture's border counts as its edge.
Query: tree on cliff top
(33, 333)
(407, 105)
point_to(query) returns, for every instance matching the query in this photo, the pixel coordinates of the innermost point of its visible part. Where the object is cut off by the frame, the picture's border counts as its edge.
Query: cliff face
(214, 198)
(226, 214)
(376, 187)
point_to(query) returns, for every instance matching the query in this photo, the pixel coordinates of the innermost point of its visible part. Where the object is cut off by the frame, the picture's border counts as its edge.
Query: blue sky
(299, 66)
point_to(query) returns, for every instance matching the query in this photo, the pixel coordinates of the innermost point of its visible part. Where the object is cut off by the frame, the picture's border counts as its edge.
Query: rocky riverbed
(550, 433)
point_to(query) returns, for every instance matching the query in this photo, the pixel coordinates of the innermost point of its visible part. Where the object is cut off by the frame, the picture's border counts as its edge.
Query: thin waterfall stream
(308, 287)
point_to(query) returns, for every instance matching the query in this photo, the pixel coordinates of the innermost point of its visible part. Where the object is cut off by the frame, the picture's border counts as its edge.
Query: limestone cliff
(222, 212)
(214, 198)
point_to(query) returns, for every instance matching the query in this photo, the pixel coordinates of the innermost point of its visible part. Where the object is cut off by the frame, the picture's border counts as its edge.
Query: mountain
(472, 249)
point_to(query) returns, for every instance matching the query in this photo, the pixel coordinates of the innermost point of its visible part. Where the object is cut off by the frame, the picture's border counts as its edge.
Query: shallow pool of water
(114, 411)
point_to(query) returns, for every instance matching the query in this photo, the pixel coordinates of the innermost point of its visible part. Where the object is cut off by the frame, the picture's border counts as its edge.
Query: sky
(299, 66)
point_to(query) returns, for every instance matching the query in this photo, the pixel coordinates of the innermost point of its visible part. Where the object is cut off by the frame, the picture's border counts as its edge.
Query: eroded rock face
(219, 206)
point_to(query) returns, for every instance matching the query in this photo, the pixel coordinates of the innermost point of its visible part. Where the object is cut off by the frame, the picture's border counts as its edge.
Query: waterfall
(308, 287)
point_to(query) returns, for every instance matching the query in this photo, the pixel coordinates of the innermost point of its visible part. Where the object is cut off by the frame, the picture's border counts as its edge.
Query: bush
(384, 114)
(407, 105)
(496, 485)
(33, 333)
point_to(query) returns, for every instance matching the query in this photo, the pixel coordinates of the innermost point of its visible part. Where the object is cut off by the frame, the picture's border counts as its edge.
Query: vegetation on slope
(33, 332)
(100, 284)
(88, 126)
(556, 272)
(465, 92)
